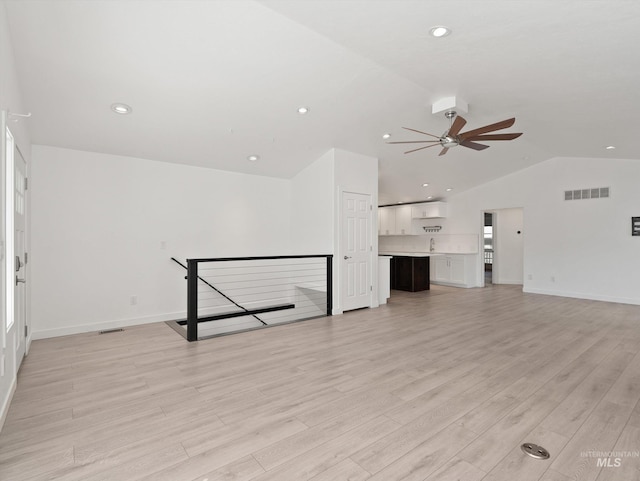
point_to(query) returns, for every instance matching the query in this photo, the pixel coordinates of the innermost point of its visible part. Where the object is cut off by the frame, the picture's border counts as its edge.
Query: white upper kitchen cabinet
(386, 221)
(394, 220)
(397, 219)
(429, 210)
(403, 220)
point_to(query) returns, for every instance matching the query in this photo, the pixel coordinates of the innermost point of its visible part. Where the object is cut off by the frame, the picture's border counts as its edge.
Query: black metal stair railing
(219, 292)
(282, 288)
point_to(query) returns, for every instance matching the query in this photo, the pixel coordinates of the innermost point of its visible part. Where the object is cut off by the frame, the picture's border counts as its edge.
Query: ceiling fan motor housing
(448, 141)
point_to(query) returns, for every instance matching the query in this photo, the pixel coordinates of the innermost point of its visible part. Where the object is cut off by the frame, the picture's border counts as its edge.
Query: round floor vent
(535, 451)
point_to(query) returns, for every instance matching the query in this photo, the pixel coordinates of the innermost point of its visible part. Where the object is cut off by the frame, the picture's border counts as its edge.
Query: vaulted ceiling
(212, 82)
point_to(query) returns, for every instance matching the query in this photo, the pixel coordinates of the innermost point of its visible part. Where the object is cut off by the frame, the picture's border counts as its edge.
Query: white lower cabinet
(440, 269)
(453, 270)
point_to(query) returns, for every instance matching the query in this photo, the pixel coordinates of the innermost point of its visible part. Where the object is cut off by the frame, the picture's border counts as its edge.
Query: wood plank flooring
(443, 385)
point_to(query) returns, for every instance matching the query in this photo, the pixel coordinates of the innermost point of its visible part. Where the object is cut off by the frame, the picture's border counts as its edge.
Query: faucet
(432, 245)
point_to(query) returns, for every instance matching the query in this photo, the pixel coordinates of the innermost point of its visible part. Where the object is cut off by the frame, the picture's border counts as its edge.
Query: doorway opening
(503, 246)
(488, 247)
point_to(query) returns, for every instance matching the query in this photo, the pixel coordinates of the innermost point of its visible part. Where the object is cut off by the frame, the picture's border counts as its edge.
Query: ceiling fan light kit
(453, 137)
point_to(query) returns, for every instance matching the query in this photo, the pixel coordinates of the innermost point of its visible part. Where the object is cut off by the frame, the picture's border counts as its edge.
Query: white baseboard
(99, 326)
(511, 283)
(6, 402)
(582, 295)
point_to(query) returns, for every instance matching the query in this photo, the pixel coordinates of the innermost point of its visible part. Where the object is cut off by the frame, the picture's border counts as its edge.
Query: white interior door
(20, 293)
(356, 251)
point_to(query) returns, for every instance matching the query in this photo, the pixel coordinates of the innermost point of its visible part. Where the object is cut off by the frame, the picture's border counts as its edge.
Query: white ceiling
(211, 82)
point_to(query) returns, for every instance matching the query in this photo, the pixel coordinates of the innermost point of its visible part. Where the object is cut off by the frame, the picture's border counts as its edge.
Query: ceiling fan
(452, 137)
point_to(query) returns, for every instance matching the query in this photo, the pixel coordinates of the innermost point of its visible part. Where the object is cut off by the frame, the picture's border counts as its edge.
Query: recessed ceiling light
(425, 185)
(253, 158)
(122, 109)
(449, 189)
(439, 31)
(610, 147)
(430, 197)
(400, 202)
(303, 110)
(386, 136)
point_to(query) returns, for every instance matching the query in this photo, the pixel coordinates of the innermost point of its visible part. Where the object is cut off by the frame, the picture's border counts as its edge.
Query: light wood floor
(440, 386)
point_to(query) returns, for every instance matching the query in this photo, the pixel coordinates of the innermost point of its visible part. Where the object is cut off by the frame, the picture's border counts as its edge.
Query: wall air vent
(591, 193)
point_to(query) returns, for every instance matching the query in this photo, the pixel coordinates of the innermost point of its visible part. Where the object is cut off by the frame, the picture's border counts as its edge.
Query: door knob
(346, 257)
(24, 281)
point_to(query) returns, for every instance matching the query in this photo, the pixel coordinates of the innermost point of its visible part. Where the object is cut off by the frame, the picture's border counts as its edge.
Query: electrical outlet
(553, 278)
(134, 300)
(163, 245)
(530, 277)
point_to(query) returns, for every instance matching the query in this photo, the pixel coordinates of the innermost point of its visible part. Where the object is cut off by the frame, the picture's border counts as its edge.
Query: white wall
(10, 100)
(508, 247)
(316, 207)
(312, 207)
(105, 226)
(99, 222)
(585, 245)
(357, 173)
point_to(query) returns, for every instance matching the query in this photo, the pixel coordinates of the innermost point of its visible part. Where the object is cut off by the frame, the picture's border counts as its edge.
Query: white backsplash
(445, 243)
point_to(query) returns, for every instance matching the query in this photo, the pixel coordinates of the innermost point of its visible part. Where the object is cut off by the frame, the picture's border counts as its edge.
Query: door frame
(8, 146)
(3, 244)
(494, 241)
(340, 249)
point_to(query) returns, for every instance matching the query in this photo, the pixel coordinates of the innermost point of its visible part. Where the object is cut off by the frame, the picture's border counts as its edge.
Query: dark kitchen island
(410, 271)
